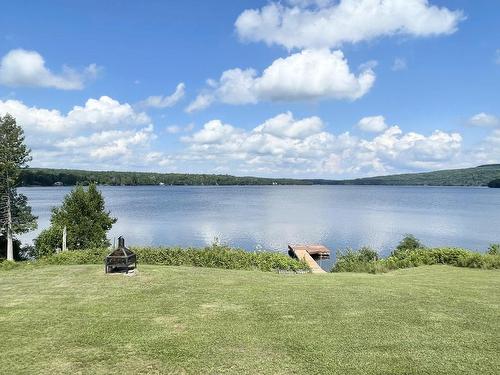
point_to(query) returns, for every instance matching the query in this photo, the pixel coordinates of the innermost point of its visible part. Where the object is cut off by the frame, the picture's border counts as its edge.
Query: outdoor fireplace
(121, 259)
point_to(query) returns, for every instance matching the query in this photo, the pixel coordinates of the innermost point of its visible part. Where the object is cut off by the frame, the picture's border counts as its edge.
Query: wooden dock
(307, 252)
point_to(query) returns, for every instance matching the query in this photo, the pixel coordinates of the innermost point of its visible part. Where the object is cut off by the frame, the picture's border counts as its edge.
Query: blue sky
(300, 88)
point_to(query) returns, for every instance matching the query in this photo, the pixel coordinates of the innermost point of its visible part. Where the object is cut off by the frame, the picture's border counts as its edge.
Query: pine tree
(84, 215)
(15, 214)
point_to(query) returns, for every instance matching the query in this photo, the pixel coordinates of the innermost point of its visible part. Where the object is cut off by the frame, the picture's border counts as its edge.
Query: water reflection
(270, 217)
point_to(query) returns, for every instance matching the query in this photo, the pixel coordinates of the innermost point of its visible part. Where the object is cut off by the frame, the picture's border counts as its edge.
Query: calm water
(270, 217)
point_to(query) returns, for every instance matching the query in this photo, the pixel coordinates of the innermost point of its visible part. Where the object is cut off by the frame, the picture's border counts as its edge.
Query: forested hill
(49, 177)
(477, 176)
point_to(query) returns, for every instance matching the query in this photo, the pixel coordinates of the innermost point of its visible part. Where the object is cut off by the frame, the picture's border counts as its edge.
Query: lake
(270, 217)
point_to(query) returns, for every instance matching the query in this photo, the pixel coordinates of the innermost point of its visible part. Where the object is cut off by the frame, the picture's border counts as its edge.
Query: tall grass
(215, 256)
(451, 256)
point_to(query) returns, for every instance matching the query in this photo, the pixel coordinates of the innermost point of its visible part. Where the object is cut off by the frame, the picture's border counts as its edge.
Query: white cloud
(202, 101)
(307, 75)
(284, 125)
(101, 113)
(166, 101)
(484, 120)
(175, 129)
(107, 144)
(27, 68)
(399, 64)
(288, 146)
(373, 124)
(213, 132)
(320, 24)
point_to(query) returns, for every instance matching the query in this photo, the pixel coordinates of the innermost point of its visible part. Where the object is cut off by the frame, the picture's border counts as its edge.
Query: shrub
(409, 243)
(213, 257)
(494, 249)
(355, 261)
(351, 262)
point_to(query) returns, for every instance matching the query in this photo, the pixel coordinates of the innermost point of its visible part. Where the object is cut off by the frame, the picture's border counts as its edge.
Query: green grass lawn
(75, 319)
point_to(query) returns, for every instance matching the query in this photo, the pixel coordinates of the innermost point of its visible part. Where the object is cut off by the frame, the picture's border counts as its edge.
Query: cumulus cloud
(101, 113)
(20, 67)
(484, 120)
(107, 144)
(284, 125)
(322, 23)
(373, 124)
(307, 75)
(284, 144)
(165, 101)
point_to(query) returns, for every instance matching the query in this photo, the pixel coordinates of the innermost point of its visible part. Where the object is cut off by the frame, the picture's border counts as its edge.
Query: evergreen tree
(15, 214)
(87, 222)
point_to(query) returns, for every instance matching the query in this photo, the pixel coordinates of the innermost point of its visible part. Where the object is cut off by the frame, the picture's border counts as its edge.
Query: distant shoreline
(475, 176)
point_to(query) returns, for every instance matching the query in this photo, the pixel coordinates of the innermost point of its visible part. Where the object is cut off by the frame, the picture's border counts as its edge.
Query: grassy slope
(74, 319)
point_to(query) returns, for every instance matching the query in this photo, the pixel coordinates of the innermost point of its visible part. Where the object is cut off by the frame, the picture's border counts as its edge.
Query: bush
(418, 257)
(408, 244)
(494, 249)
(212, 257)
(355, 260)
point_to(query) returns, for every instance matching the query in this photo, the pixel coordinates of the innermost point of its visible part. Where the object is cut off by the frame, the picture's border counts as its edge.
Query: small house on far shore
(58, 183)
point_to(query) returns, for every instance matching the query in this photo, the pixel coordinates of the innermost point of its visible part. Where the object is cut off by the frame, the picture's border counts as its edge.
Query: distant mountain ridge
(476, 176)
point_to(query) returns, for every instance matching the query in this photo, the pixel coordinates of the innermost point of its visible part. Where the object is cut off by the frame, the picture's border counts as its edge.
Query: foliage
(20, 252)
(15, 214)
(478, 176)
(84, 215)
(355, 260)
(23, 220)
(408, 244)
(419, 257)
(48, 177)
(494, 249)
(494, 183)
(211, 257)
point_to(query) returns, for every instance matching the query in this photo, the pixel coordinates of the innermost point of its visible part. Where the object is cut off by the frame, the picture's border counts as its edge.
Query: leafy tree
(15, 214)
(408, 243)
(84, 215)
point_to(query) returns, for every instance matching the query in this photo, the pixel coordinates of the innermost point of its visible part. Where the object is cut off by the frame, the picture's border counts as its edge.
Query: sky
(292, 88)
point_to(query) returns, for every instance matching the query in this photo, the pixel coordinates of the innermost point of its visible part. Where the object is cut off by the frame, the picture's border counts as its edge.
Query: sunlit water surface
(270, 217)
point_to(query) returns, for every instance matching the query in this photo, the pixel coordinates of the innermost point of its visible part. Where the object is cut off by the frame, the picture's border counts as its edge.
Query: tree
(494, 183)
(407, 244)
(84, 215)
(15, 214)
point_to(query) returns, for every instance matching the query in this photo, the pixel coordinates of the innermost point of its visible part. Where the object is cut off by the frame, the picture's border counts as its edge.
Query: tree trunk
(64, 239)
(10, 247)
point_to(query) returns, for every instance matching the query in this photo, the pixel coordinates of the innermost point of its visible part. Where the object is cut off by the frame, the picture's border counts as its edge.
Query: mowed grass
(179, 320)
